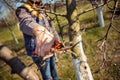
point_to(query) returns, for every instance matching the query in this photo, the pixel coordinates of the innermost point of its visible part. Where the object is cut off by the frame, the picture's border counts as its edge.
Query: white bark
(76, 64)
(100, 15)
(81, 66)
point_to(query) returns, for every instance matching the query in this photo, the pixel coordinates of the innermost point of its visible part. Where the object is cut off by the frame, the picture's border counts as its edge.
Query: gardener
(39, 36)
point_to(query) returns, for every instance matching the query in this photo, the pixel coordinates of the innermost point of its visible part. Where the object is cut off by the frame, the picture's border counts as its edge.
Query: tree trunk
(81, 66)
(100, 14)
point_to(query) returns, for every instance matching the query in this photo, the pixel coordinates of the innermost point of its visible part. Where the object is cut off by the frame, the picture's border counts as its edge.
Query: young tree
(81, 66)
(99, 11)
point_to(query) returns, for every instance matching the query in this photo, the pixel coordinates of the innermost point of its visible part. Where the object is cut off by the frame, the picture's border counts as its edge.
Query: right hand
(44, 41)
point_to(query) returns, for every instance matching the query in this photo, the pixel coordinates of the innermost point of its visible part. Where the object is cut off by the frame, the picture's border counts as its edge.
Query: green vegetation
(91, 33)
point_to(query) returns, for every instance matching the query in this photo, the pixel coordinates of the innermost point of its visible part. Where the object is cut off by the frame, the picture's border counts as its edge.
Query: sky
(3, 10)
(44, 1)
(52, 1)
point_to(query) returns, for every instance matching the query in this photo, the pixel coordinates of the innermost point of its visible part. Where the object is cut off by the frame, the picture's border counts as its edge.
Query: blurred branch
(110, 25)
(111, 21)
(115, 29)
(57, 14)
(85, 11)
(8, 4)
(102, 46)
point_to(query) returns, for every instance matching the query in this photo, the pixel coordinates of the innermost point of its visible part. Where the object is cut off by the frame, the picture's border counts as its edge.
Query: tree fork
(81, 66)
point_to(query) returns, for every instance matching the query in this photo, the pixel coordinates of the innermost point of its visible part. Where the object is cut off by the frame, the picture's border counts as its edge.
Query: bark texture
(82, 69)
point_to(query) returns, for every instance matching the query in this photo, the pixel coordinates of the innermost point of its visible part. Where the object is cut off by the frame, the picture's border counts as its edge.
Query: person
(39, 35)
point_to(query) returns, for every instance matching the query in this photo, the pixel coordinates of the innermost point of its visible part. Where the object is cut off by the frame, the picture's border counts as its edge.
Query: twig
(85, 11)
(10, 6)
(110, 25)
(115, 29)
(102, 46)
(57, 14)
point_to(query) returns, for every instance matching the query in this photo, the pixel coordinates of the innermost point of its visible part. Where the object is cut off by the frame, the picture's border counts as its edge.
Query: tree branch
(111, 20)
(115, 29)
(10, 6)
(110, 25)
(57, 14)
(85, 11)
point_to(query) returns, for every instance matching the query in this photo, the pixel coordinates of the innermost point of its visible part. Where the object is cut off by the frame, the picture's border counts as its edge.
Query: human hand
(44, 41)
